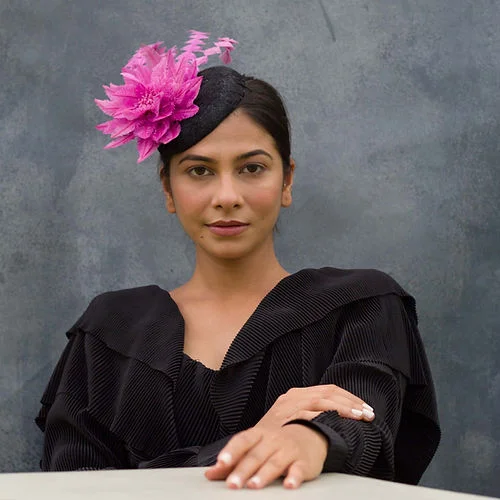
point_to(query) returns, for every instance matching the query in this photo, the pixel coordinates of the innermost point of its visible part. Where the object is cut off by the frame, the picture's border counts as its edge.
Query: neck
(255, 274)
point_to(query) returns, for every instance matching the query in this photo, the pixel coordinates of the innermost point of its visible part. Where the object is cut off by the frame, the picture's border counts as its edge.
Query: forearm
(356, 446)
(359, 447)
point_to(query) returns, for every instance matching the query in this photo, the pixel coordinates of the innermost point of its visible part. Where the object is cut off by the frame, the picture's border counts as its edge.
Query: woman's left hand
(256, 457)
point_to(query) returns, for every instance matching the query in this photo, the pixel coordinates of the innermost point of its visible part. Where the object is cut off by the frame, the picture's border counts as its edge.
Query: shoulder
(352, 284)
(310, 295)
(139, 323)
(123, 308)
(128, 296)
(370, 294)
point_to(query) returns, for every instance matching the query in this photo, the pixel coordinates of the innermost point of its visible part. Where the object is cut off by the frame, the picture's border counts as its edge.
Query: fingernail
(225, 458)
(291, 483)
(367, 407)
(234, 481)
(358, 413)
(254, 481)
(369, 414)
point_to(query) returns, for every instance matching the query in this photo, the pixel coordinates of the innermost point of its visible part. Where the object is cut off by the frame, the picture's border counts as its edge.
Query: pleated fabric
(197, 421)
(124, 395)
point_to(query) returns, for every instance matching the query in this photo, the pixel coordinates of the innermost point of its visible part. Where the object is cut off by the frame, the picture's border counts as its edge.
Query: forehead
(236, 134)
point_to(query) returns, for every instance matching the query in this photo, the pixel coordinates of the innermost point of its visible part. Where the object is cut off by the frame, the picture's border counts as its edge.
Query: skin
(236, 173)
(224, 186)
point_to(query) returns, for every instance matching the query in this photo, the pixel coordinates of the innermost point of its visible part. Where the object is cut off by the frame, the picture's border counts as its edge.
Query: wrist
(312, 438)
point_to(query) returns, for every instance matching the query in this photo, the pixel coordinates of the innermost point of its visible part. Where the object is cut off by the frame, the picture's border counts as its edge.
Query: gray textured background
(395, 114)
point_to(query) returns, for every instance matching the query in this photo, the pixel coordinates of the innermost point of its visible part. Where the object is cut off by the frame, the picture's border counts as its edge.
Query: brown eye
(252, 168)
(199, 171)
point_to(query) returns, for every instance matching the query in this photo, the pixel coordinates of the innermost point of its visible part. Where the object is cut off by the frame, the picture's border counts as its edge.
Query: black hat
(221, 91)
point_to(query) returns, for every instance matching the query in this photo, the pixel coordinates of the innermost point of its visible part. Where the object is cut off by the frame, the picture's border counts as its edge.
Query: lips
(227, 227)
(227, 223)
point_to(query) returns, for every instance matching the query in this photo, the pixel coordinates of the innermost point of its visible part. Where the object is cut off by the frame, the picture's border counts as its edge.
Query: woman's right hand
(306, 403)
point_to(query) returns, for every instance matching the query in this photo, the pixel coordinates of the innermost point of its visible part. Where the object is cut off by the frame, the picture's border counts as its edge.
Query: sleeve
(74, 440)
(87, 395)
(194, 456)
(380, 358)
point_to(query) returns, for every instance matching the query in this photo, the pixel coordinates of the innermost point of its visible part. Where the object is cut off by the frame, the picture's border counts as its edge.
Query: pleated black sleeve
(378, 353)
(91, 423)
(74, 439)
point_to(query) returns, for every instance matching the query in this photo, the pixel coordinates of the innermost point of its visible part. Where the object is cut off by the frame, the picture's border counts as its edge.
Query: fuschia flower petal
(159, 91)
(201, 60)
(121, 91)
(201, 35)
(195, 42)
(120, 141)
(186, 67)
(146, 148)
(144, 130)
(224, 41)
(184, 113)
(225, 57)
(211, 51)
(173, 131)
(109, 107)
(120, 127)
(146, 55)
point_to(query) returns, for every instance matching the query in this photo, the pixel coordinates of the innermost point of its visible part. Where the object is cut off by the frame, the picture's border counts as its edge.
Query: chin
(230, 251)
(229, 254)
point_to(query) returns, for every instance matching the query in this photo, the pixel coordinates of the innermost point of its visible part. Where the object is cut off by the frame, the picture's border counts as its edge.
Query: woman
(246, 368)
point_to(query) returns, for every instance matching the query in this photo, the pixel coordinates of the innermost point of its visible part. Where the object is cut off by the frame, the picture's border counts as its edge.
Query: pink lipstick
(227, 227)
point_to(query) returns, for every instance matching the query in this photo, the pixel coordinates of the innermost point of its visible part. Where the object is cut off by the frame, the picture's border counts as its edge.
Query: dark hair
(265, 106)
(257, 98)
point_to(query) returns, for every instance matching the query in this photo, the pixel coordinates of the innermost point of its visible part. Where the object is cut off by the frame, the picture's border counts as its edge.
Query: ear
(169, 199)
(286, 194)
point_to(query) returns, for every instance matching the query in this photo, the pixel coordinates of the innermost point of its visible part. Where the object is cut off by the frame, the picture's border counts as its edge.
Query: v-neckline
(248, 321)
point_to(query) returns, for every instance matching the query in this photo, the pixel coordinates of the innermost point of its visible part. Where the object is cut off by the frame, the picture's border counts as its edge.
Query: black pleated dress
(124, 394)
(197, 420)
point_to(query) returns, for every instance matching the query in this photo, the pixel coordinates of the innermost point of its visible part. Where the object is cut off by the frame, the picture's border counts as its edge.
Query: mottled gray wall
(395, 116)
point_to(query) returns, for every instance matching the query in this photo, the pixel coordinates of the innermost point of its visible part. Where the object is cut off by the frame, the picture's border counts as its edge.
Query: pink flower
(158, 93)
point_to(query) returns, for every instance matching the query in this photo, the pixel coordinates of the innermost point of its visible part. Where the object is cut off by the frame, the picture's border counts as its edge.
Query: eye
(252, 168)
(199, 171)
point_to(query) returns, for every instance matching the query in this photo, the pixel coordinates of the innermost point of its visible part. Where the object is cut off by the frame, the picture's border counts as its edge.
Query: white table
(189, 483)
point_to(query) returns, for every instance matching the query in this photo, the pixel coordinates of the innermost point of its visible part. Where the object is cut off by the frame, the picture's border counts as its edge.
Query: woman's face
(227, 190)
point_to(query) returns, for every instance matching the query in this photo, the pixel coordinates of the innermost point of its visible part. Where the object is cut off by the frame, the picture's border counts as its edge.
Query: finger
(329, 391)
(305, 415)
(218, 472)
(333, 389)
(358, 413)
(251, 463)
(232, 453)
(326, 403)
(295, 476)
(342, 406)
(275, 466)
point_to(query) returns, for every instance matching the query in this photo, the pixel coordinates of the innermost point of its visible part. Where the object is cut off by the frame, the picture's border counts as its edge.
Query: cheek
(267, 201)
(188, 201)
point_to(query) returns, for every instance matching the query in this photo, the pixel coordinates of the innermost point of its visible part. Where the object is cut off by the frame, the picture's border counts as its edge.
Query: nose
(227, 194)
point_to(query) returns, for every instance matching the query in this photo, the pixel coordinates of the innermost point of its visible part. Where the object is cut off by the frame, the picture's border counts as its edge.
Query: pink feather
(159, 90)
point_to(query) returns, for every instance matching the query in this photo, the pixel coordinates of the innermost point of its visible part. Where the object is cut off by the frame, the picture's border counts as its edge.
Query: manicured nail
(291, 483)
(367, 407)
(358, 413)
(254, 482)
(225, 458)
(234, 481)
(368, 414)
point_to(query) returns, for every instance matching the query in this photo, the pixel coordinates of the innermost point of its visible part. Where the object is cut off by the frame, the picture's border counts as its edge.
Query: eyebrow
(243, 156)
